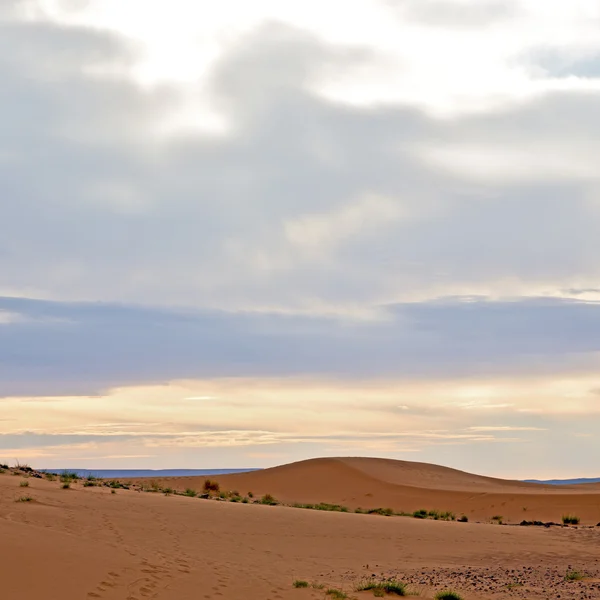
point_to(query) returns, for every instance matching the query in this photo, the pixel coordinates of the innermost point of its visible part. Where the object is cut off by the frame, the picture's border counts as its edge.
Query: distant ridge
(126, 473)
(564, 481)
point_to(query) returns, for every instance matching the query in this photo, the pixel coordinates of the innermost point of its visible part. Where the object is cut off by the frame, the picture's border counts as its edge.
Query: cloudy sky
(244, 233)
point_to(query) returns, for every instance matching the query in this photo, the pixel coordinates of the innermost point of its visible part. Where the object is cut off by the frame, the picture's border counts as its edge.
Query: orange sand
(409, 486)
(88, 543)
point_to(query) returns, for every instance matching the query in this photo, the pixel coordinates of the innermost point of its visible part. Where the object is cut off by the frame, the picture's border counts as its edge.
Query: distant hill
(383, 484)
(564, 481)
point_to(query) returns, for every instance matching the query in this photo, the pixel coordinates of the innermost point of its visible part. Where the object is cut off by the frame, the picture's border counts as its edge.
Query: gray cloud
(65, 348)
(101, 207)
(98, 206)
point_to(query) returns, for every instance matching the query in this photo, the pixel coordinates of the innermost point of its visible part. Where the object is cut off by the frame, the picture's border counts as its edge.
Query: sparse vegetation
(385, 586)
(448, 595)
(269, 500)
(498, 519)
(50, 476)
(66, 485)
(436, 515)
(23, 467)
(570, 520)
(299, 583)
(323, 506)
(385, 512)
(336, 594)
(24, 499)
(573, 576)
(4, 466)
(190, 492)
(463, 519)
(167, 491)
(211, 486)
(88, 483)
(24, 483)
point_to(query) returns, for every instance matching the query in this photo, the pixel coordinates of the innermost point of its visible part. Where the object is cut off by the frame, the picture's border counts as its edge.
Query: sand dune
(409, 486)
(90, 543)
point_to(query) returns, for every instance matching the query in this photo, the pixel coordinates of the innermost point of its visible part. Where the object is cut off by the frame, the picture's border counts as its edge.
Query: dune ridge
(369, 483)
(72, 539)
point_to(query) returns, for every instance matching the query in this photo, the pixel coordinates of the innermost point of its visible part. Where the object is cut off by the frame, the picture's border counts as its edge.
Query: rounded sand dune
(409, 486)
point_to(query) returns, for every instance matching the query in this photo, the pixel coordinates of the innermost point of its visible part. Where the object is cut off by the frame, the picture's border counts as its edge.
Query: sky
(247, 233)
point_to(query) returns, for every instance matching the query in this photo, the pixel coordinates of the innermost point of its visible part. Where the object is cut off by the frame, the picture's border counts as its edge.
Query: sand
(409, 486)
(86, 542)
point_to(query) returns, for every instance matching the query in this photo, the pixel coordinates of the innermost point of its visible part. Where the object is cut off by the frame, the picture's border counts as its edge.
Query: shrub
(498, 519)
(190, 492)
(66, 485)
(448, 595)
(168, 491)
(50, 476)
(24, 483)
(336, 594)
(299, 583)
(89, 483)
(269, 500)
(24, 499)
(573, 576)
(386, 586)
(570, 520)
(386, 512)
(211, 486)
(420, 514)
(448, 516)
(250, 495)
(323, 506)
(463, 519)
(3, 466)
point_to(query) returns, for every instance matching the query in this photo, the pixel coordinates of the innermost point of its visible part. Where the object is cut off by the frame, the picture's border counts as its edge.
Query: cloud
(57, 348)
(454, 13)
(304, 204)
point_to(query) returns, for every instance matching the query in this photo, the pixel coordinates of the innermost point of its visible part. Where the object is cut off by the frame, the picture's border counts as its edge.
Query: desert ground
(80, 542)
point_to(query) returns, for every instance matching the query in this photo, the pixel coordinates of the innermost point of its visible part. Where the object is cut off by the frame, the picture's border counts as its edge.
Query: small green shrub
(299, 583)
(420, 514)
(573, 576)
(190, 492)
(448, 595)
(498, 518)
(336, 594)
(66, 485)
(50, 476)
(24, 483)
(385, 586)
(168, 491)
(571, 520)
(269, 500)
(385, 512)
